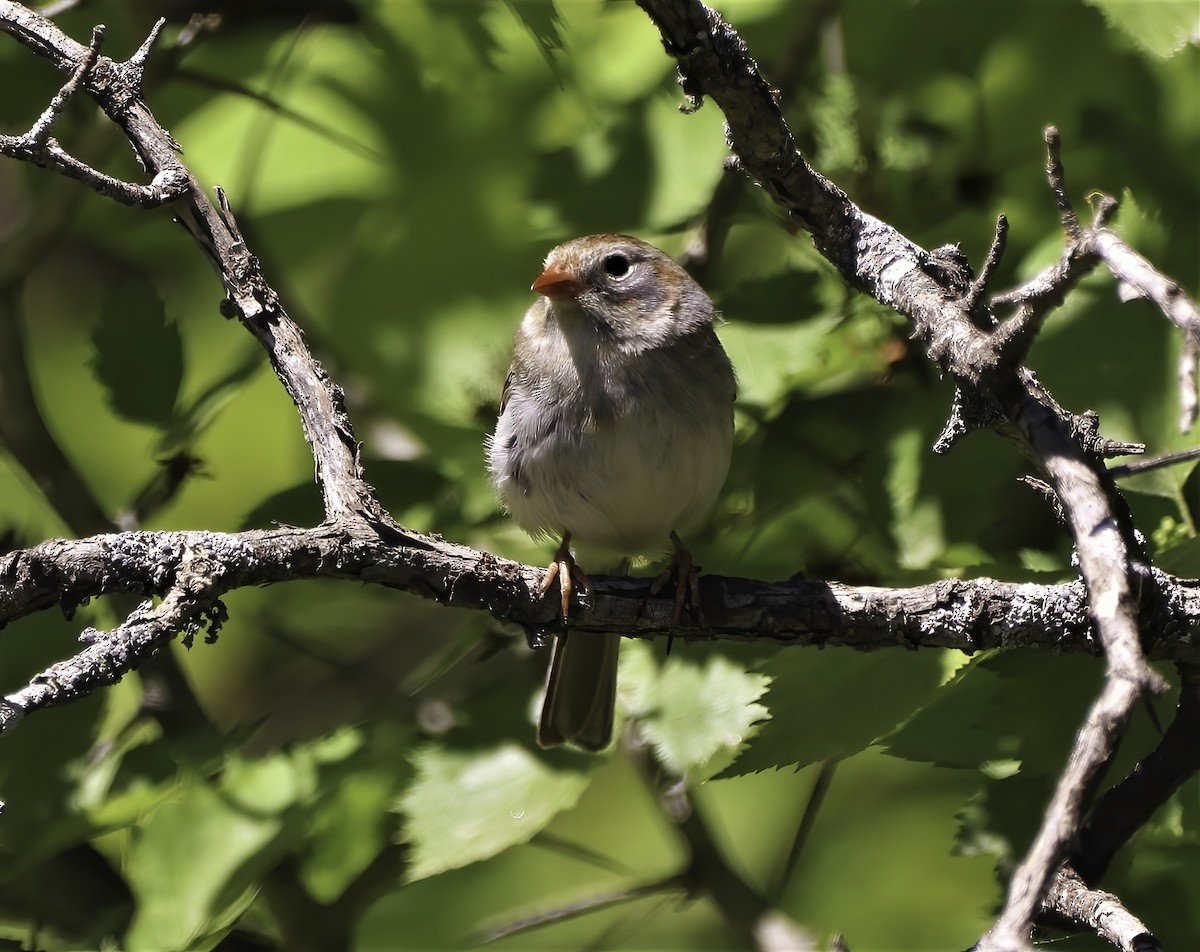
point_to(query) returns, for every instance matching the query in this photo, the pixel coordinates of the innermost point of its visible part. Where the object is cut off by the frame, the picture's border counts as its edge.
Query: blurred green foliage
(352, 768)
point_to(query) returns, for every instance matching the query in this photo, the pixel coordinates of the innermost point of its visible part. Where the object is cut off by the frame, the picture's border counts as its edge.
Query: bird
(615, 429)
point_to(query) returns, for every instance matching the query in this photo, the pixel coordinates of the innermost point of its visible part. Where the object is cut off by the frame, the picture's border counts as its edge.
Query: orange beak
(556, 283)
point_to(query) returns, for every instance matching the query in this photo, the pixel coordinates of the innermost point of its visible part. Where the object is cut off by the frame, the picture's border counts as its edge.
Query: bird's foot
(568, 574)
(687, 583)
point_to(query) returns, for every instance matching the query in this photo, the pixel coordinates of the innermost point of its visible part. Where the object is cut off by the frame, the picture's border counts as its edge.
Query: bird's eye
(616, 266)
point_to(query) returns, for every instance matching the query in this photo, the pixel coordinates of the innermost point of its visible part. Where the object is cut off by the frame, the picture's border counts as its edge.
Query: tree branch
(1119, 593)
(968, 615)
(1136, 277)
(933, 291)
(116, 89)
(1103, 913)
(1129, 805)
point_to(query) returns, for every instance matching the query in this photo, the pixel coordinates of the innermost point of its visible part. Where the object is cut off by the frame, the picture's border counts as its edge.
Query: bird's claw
(687, 583)
(568, 574)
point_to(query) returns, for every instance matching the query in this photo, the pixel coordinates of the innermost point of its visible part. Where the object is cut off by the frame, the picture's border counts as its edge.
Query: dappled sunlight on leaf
(464, 806)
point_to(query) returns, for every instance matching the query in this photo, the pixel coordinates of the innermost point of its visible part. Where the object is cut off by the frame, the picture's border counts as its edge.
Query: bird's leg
(687, 580)
(568, 574)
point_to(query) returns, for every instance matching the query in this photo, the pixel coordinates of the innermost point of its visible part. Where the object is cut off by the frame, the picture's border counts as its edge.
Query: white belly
(620, 485)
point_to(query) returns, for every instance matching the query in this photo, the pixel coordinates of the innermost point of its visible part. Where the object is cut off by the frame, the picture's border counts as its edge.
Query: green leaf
(542, 20)
(351, 823)
(1010, 706)
(193, 862)
(1182, 559)
(1002, 817)
(1161, 28)
(704, 713)
(770, 357)
(834, 117)
(917, 518)
(836, 702)
(138, 354)
(466, 806)
(348, 829)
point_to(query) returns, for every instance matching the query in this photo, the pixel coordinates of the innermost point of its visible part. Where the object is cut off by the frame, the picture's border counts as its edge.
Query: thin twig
(1138, 278)
(816, 797)
(1129, 805)
(1030, 884)
(1102, 912)
(39, 132)
(668, 886)
(137, 62)
(1153, 462)
(326, 131)
(994, 256)
(1058, 183)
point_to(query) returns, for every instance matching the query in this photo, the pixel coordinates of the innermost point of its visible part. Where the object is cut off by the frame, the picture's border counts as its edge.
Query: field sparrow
(615, 429)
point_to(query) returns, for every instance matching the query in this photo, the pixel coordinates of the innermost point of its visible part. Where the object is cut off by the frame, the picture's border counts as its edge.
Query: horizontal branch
(967, 615)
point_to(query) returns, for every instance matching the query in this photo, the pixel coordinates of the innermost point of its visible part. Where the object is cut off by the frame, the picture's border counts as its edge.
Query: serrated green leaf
(1161, 28)
(1005, 706)
(541, 18)
(704, 712)
(466, 806)
(836, 702)
(138, 354)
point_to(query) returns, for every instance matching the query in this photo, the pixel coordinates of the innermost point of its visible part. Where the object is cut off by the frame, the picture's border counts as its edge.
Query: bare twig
(672, 885)
(816, 798)
(1126, 807)
(37, 145)
(1070, 899)
(136, 64)
(1031, 883)
(990, 264)
(1058, 183)
(111, 655)
(40, 131)
(1136, 278)
(1154, 462)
